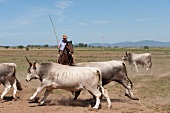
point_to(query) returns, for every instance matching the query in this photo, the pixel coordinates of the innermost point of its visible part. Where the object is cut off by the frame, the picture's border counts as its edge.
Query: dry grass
(153, 88)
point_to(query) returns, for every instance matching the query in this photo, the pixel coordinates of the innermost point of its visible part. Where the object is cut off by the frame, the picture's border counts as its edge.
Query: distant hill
(150, 43)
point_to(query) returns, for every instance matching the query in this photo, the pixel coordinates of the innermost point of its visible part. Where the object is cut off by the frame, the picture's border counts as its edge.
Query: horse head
(69, 47)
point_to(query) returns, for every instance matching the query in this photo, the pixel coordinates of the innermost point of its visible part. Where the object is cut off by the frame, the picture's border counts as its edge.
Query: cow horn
(34, 63)
(28, 60)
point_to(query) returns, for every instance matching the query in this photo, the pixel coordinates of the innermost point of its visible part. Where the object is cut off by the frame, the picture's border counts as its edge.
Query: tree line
(49, 46)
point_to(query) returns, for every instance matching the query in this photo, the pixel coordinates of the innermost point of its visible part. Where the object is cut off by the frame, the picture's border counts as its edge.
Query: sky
(27, 22)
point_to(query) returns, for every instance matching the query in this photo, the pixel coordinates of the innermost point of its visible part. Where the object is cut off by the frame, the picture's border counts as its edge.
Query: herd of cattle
(91, 76)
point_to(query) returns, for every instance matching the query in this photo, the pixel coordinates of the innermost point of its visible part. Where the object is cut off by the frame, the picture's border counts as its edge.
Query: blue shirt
(62, 45)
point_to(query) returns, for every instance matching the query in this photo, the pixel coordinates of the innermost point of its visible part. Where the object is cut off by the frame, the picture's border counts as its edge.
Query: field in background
(153, 88)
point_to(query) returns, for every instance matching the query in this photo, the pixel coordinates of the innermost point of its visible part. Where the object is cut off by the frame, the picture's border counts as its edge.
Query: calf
(8, 78)
(135, 59)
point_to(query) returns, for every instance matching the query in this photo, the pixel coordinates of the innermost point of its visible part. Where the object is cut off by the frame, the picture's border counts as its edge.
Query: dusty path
(61, 101)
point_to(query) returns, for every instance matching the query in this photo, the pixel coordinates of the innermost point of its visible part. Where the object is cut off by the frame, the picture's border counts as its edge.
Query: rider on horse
(61, 47)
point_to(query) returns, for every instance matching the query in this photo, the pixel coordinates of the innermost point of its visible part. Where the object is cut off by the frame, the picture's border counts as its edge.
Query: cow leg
(7, 88)
(97, 100)
(47, 92)
(148, 67)
(131, 67)
(76, 94)
(128, 91)
(105, 93)
(39, 89)
(136, 67)
(97, 94)
(15, 90)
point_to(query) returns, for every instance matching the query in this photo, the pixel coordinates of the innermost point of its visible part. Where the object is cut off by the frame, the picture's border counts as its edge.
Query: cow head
(127, 57)
(32, 71)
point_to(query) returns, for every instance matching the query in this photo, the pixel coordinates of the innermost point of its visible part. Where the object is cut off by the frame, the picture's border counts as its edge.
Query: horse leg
(60, 57)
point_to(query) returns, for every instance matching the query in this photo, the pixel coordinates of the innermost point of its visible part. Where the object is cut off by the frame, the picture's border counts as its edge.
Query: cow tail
(124, 68)
(100, 78)
(18, 84)
(150, 65)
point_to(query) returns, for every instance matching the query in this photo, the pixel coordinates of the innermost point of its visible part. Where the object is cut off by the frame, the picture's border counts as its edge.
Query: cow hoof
(41, 104)
(30, 99)
(135, 98)
(92, 109)
(95, 108)
(109, 106)
(15, 99)
(34, 99)
(126, 94)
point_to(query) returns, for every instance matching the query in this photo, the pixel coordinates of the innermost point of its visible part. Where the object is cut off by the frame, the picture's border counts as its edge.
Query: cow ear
(34, 65)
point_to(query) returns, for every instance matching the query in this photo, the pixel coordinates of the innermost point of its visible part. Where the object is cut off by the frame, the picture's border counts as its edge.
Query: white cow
(112, 71)
(57, 76)
(135, 59)
(8, 78)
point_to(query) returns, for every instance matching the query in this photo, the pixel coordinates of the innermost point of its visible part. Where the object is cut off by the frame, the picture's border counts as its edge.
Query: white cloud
(100, 22)
(61, 6)
(82, 24)
(34, 13)
(60, 14)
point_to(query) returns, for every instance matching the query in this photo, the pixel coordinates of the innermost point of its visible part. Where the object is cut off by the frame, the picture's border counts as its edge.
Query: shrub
(146, 47)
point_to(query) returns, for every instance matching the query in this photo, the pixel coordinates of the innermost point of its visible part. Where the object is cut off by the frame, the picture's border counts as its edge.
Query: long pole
(103, 43)
(55, 35)
(54, 29)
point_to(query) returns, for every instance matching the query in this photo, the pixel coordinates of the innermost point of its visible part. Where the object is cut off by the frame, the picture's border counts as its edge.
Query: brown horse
(65, 57)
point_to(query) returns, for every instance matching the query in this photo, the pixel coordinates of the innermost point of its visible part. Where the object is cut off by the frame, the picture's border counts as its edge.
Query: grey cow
(141, 59)
(8, 78)
(57, 76)
(111, 71)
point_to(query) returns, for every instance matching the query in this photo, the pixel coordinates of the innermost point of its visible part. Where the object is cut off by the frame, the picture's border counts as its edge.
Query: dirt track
(62, 102)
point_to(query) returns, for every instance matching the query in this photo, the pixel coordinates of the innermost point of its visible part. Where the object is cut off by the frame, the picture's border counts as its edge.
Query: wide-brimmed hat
(65, 36)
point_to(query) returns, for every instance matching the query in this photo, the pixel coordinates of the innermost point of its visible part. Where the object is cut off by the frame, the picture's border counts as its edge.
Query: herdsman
(61, 47)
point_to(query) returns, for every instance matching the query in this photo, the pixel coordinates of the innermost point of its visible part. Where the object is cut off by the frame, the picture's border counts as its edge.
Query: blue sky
(24, 22)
